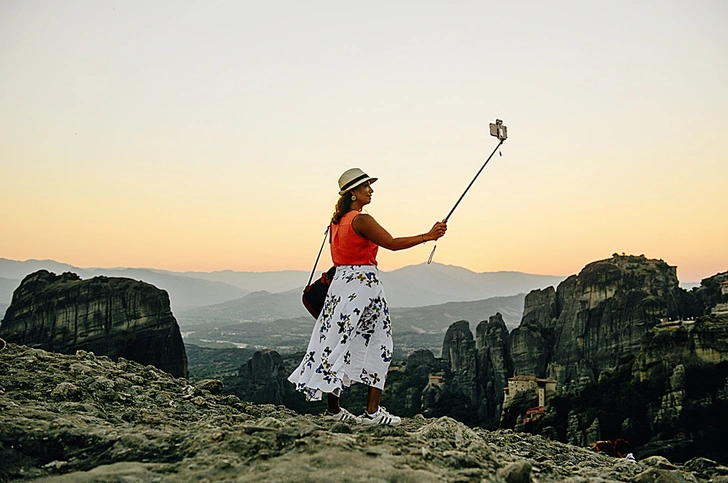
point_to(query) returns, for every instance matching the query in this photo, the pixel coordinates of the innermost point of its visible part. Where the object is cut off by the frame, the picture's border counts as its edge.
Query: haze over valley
(264, 309)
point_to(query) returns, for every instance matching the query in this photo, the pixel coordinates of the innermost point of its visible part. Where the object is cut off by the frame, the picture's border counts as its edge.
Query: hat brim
(357, 184)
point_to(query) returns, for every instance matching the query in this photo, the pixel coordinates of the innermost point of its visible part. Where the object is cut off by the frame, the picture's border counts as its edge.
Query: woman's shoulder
(354, 214)
(361, 217)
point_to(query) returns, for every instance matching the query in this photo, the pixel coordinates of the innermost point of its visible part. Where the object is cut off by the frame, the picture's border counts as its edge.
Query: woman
(352, 338)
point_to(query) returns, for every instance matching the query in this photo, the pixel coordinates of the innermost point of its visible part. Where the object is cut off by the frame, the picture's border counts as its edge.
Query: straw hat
(352, 178)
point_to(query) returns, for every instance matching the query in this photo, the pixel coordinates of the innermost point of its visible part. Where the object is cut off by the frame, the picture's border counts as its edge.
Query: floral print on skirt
(352, 338)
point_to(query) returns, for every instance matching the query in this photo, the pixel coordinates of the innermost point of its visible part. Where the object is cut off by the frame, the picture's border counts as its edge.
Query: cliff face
(594, 319)
(531, 343)
(711, 293)
(692, 359)
(629, 358)
(683, 343)
(459, 355)
(116, 317)
(494, 366)
(540, 308)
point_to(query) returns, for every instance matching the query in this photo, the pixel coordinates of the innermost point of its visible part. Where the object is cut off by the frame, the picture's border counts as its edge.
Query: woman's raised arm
(366, 226)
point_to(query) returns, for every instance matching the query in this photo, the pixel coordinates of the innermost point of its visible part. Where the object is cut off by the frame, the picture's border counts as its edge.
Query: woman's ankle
(334, 404)
(373, 397)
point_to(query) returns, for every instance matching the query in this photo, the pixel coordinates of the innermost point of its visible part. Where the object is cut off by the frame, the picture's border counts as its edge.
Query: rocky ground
(82, 418)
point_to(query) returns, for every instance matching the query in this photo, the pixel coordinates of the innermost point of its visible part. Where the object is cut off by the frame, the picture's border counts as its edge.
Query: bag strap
(318, 256)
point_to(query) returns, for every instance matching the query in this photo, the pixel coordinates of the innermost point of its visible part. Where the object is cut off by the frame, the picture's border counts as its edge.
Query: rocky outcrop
(531, 349)
(116, 317)
(494, 367)
(82, 419)
(621, 315)
(263, 379)
(531, 343)
(475, 371)
(690, 343)
(540, 308)
(691, 357)
(628, 356)
(459, 355)
(711, 293)
(596, 319)
(420, 363)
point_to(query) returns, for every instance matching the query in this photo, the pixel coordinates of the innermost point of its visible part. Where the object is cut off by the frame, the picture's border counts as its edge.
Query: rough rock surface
(82, 418)
(711, 293)
(458, 350)
(540, 307)
(531, 343)
(116, 317)
(421, 397)
(494, 365)
(601, 316)
(693, 358)
(671, 346)
(623, 335)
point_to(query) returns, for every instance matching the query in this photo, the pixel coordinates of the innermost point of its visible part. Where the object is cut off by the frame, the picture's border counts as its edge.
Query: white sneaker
(342, 415)
(380, 417)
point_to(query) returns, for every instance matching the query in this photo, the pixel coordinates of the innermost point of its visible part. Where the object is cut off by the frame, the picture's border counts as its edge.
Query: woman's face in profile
(364, 193)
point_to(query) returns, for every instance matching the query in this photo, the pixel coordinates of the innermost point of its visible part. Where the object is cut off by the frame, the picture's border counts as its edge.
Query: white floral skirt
(352, 338)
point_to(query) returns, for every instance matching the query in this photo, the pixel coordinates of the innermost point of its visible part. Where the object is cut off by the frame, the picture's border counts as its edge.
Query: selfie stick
(501, 132)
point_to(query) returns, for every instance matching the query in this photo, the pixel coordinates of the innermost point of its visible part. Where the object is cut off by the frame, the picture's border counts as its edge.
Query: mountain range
(412, 286)
(262, 319)
(185, 292)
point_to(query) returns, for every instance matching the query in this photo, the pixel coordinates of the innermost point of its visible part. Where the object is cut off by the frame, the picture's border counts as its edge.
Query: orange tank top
(348, 248)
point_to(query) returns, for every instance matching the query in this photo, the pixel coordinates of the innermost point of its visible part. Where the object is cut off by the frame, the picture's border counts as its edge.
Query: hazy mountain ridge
(280, 322)
(437, 318)
(419, 285)
(275, 281)
(215, 309)
(260, 306)
(184, 292)
(412, 286)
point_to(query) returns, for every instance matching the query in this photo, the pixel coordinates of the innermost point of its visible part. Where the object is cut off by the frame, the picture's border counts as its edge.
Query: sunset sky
(206, 136)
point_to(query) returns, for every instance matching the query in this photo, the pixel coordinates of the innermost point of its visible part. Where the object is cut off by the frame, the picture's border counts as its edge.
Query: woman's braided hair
(343, 206)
